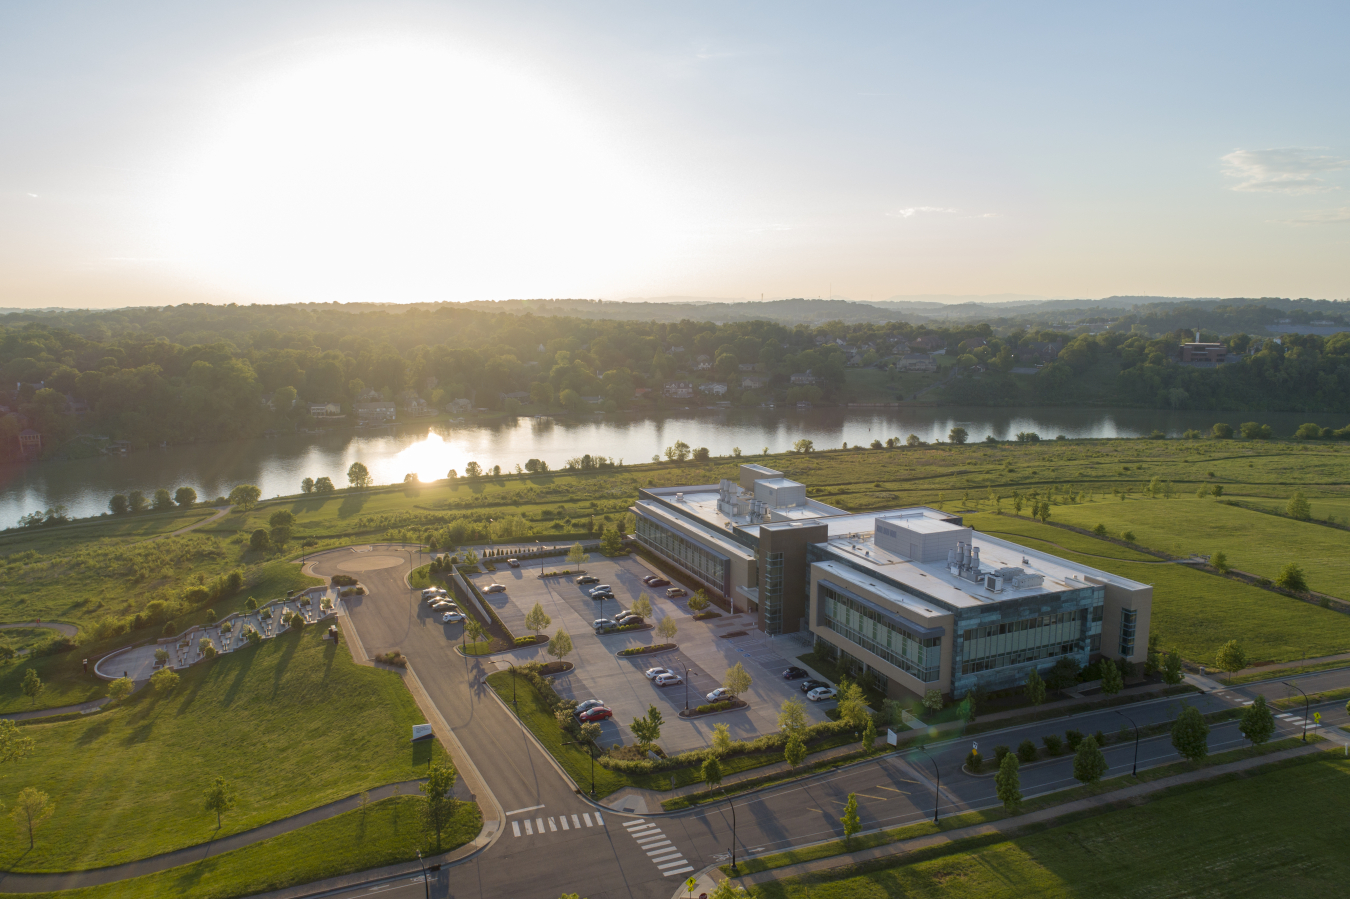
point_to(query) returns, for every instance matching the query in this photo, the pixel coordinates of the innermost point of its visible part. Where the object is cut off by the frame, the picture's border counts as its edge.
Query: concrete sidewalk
(1011, 825)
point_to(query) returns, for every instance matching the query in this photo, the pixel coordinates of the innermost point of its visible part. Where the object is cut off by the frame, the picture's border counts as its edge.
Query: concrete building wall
(1118, 599)
(788, 576)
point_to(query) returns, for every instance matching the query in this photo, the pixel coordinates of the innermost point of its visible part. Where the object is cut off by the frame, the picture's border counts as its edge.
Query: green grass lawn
(1195, 613)
(387, 832)
(293, 723)
(1187, 841)
(122, 529)
(1253, 541)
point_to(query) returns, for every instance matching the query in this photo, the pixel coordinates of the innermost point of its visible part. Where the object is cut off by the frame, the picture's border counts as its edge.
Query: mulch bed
(732, 634)
(695, 713)
(646, 650)
(706, 616)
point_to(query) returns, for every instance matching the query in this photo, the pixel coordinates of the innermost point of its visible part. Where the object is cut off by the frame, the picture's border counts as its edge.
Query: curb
(643, 655)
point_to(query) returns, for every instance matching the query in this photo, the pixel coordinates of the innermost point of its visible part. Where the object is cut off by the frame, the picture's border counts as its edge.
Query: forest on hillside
(203, 372)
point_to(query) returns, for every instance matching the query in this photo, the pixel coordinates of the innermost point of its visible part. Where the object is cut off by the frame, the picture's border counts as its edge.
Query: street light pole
(592, 755)
(732, 804)
(1135, 770)
(937, 788)
(1305, 709)
(426, 883)
(513, 687)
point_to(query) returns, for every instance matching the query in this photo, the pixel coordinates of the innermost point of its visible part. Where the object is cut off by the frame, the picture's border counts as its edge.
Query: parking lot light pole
(426, 883)
(1305, 709)
(1135, 770)
(937, 788)
(513, 687)
(592, 755)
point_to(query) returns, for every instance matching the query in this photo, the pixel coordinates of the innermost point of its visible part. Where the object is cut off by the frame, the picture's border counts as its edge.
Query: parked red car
(599, 713)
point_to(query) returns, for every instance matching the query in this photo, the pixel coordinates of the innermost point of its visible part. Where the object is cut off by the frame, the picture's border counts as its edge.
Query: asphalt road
(544, 851)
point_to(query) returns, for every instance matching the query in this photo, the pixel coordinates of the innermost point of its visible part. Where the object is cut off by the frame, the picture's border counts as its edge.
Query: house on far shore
(459, 406)
(384, 411)
(715, 388)
(324, 410)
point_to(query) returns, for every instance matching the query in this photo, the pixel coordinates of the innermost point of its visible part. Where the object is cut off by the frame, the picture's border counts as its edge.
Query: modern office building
(913, 596)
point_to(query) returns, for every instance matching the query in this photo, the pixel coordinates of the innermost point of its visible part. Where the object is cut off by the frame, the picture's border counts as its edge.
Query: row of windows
(1127, 619)
(920, 657)
(687, 553)
(1009, 640)
(1018, 657)
(1012, 627)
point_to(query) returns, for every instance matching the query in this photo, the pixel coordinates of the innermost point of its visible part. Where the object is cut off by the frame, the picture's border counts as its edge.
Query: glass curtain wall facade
(1127, 622)
(881, 635)
(1026, 640)
(708, 566)
(771, 593)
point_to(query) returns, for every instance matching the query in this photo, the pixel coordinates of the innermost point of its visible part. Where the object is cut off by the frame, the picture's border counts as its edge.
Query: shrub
(1053, 744)
(974, 760)
(1026, 751)
(393, 657)
(1073, 738)
(343, 580)
(1100, 738)
(1000, 752)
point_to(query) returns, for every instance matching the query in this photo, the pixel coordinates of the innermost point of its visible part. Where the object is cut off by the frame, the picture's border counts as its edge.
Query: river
(278, 464)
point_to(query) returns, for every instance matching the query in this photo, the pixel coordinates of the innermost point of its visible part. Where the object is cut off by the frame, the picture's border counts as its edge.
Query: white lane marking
(515, 825)
(669, 856)
(519, 810)
(636, 823)
(599, 820)
(528, 831)
(563, 819)
(671, 865)
(552, 828)
(655, 845)
(539, 824)
(655, 835)
(576, 822)
(649, 828)
(586, 816)
(678, 871)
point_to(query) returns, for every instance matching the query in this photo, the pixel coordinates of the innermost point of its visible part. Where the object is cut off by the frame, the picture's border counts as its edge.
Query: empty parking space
(620, 682)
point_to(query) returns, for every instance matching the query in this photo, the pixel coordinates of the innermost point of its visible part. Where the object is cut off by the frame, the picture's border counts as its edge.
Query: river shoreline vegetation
(95, 381)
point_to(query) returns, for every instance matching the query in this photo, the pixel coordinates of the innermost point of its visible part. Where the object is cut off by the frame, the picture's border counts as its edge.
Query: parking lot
(620, 682)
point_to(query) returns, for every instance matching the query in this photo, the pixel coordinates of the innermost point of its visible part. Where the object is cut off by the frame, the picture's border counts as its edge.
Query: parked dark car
(658, 582)
(626, 620)
(793, 673)
(587, 579)
(599, 713)
(808, 685)
(588, 704)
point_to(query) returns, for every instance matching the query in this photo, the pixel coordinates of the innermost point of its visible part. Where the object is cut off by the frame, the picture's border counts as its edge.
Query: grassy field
(123, 529)
(386, 832)
(1253, 541)
(294, 723)
(1195, 613)
(1187, 841)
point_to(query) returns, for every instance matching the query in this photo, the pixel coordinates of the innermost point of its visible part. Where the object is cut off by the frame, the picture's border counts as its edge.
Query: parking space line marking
(551, 826)
(877, 798)
(892, 789)
(576, 822)
(586, 816)
(528, 831)
(515, 825)
(519, 810)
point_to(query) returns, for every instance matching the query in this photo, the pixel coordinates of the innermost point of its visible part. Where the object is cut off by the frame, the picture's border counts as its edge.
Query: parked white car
(653, 673)
(721, 694)
(667, 679)
(820, 694)
(452, 616)
(495, 588)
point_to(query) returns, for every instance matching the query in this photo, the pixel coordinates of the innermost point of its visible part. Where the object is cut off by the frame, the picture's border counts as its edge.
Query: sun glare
(409, 171)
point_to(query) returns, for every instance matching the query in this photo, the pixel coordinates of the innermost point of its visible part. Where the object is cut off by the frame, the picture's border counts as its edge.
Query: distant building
(324, 410)
(703, 363)
(1203, 355)
(382, 410)
(715, 388)
(803, 378)
(679, 390)
(928, 342)
(459, 406)
(747, 366)
(641, 391)
(520, 396)
(918, 362)
(593, 400)
(30, 441)
(753, 382)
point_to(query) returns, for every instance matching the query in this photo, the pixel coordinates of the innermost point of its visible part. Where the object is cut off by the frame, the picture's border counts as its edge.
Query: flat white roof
(779, 482)
(712, 537)
(912, 605)
(700, 502)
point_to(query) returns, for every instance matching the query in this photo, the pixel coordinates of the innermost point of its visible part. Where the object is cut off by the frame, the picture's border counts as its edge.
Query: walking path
(1288, 666)
(192, 527)
(1011, 825)
(82, 707)
(68, 629)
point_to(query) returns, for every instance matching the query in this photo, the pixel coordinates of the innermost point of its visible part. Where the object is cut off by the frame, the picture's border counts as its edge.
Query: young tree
(577, 556)
(852, 704)
(727, 889)
(206, 647)
(932, 700)
(1008, 782)
(13, 744)
(1291, 577)
(1220, 561)
(1035, 689)
(119, 505)
(792, 716)
(439, 800)
(721, 739)
(185, 497)
(647, 729)
(32, 808)
(138, 501)
(32, 684)
(560, 645)
(1298, 507)
(736, 680)
(1190, 734)
(473, 470)
(250, 604)
(611, 542)
(712, 772)
(245, 496)
(643, 606)
(588, 732)
(1230, 657)
(220, 798)
(958, 435)
(869, 736)
(163, 500)
(307, 485)
(120, 689)
(473, 630)
(324, 485)
(1112, 681)
(1172, 673)
(358, 476)
(538, 620)
(666, 628)
(794, 751)
(261, 541)
(1258, 724)
(164, 680)
(1089, 764)
(699, 601)
(281, 518)
(852, 824)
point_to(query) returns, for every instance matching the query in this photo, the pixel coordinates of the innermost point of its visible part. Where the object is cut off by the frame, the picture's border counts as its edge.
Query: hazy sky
(249, 151)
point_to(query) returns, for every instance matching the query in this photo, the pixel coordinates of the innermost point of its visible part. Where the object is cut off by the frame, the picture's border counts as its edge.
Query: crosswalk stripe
(563, 819)
(658, 851)
(678, 871)
(669, 856)
(539, 824)
(515, 825)
(671, 865)
(655, 835)
(528, 831)
(585, 816)
(599, 820)
(576, 822)
(635, 823)
(646, 828)
(552, 828)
